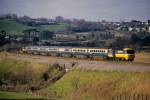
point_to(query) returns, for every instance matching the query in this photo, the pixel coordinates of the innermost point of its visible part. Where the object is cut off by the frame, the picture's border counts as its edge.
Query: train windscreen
(130, 51)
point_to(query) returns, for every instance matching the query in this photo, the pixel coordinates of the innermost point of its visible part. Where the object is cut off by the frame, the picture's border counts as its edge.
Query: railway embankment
(139, 65)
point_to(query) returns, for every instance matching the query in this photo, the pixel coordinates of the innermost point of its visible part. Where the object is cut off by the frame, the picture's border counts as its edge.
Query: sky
(93, 10)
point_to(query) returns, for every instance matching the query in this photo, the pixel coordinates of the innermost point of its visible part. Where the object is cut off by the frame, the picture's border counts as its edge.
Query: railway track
(85, 63)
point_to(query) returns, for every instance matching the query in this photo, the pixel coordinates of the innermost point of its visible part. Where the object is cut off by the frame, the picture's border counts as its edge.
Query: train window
(66, 49)
(130, 51)
(119, 51)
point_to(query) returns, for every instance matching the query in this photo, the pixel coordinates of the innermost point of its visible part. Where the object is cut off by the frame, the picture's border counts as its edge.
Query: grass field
(16, 27)
(88, 84)
(12, 26)
(55, 28)
(15, 95)
(21, 76)
(142, 57)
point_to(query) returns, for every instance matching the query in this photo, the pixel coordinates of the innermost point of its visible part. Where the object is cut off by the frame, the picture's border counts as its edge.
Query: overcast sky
(112, 10)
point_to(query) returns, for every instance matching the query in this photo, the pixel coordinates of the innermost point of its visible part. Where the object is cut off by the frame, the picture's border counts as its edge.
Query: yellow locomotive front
(127, 54)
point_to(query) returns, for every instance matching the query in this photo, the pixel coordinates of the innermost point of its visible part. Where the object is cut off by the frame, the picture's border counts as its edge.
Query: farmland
(54, 28)
(13, 26)
(15, 95)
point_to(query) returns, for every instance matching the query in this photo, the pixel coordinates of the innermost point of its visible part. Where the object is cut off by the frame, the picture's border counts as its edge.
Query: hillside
(87, 84)
(15, 95)
(13, 26)
(55, 28)
(26, 77)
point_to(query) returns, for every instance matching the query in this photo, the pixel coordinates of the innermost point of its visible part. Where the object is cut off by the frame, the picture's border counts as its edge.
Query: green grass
(13, 26)
(93, 84)
(55, 28)
(8, 65)
(15, 95)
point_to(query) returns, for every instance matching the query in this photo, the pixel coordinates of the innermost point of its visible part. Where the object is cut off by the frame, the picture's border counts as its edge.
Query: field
(13, 26)
(54, 28)
(94, 84)
(26, 77)
(142, 58)
(15, 95)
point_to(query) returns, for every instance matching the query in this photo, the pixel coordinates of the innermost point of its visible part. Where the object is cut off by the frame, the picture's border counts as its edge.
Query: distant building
(130, 29)
(149, 29)
(65, 36)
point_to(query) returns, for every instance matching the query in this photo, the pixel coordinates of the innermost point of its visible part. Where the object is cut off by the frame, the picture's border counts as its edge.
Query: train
(125, 54)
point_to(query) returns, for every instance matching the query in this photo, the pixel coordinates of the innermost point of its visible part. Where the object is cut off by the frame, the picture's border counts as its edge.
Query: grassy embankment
(87, 84)
(26, 77)
(15, 95)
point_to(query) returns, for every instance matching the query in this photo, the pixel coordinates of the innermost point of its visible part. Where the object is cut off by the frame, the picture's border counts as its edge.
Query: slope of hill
(15, 95)
(12, 26)
(55, 28)
(88, 84)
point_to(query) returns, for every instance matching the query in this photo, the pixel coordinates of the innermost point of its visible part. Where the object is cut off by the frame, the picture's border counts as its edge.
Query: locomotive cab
(126, 54)
(129, 54)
